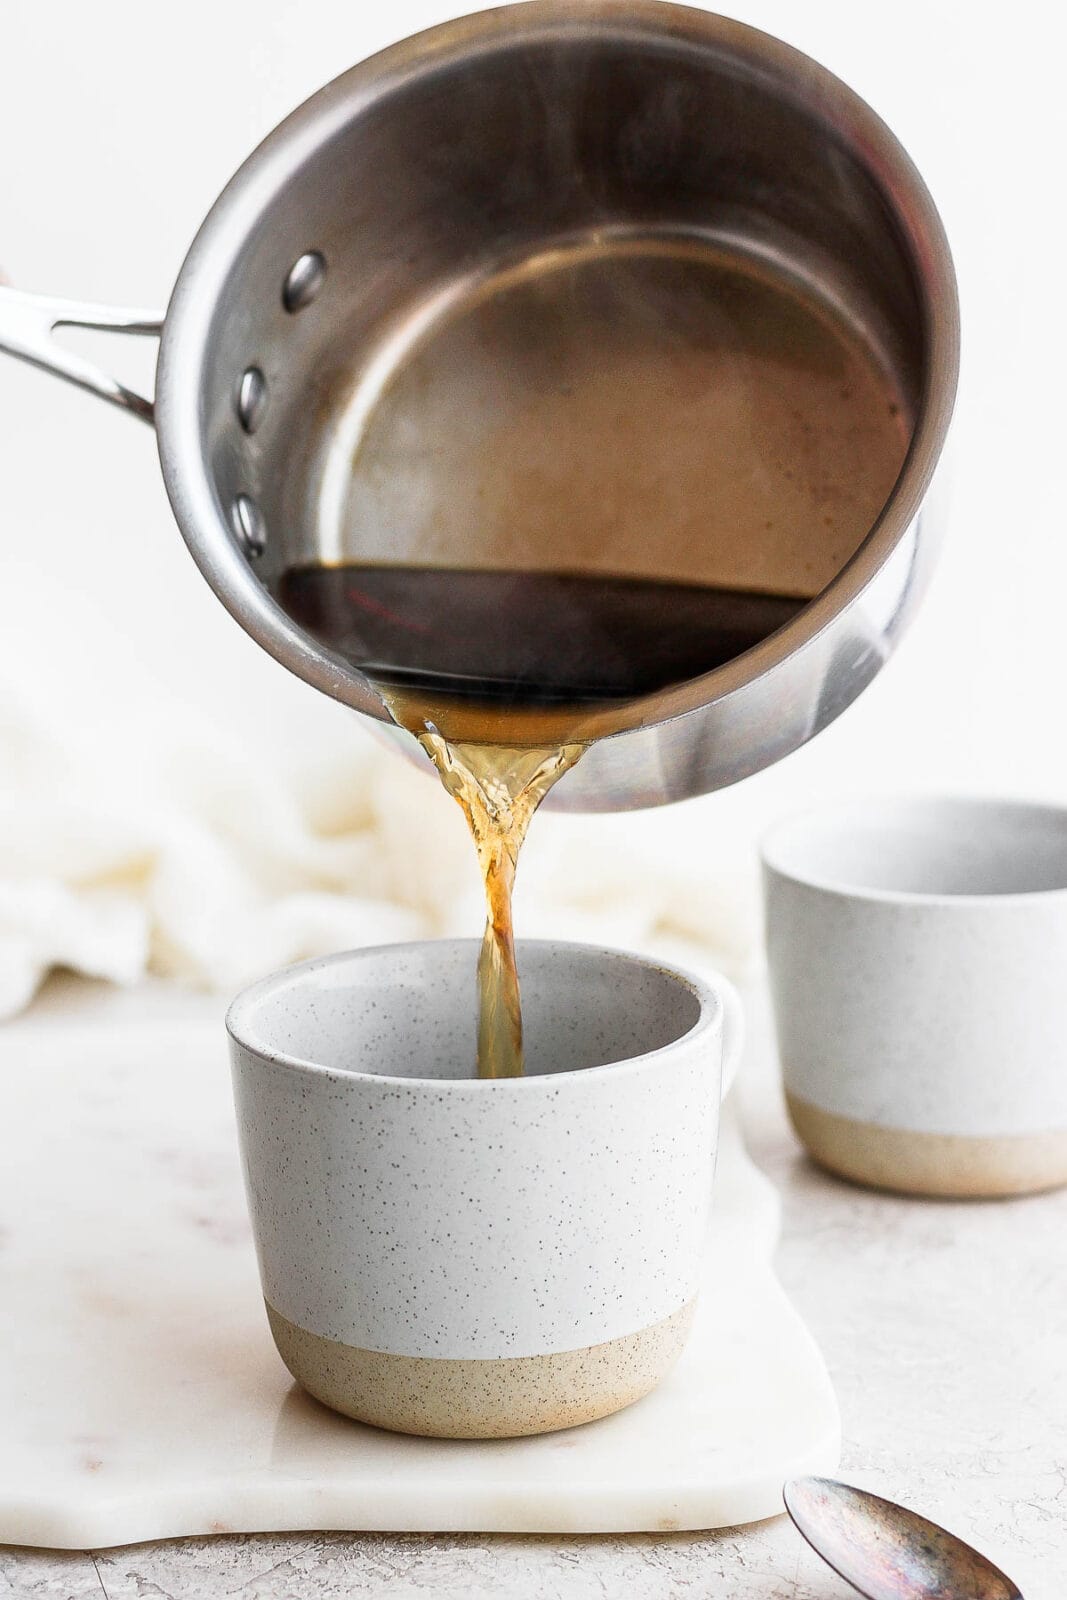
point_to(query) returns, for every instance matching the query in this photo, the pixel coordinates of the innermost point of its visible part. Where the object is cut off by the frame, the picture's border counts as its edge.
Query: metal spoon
(886, 1551)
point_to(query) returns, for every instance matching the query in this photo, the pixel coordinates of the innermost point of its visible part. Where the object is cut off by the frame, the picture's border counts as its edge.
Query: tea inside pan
(597, 470)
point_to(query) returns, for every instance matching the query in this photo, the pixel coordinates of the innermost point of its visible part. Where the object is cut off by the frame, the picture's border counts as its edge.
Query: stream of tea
(586, 483)
(498, 787)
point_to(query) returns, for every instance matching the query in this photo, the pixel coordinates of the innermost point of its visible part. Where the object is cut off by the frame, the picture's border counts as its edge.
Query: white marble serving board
(140, 1393)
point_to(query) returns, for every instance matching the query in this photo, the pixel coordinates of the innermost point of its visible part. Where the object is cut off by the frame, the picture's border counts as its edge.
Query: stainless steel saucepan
(411, 180)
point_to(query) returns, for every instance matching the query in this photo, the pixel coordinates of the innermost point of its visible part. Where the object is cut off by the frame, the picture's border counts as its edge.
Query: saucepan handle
(28, 321)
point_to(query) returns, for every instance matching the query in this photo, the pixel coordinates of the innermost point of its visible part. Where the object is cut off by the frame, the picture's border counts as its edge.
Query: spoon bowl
(886, 1551)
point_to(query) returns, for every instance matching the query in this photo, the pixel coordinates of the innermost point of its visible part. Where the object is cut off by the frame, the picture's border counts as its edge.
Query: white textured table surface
(945, 1328)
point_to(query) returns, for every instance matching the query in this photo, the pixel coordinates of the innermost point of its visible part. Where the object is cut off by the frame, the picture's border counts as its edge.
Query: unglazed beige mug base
(953, 1166)
(501, 1398)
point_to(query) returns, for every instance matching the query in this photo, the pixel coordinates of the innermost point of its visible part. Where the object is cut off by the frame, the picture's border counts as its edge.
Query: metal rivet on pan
(251, 399)
(305, 278)
(249, 526)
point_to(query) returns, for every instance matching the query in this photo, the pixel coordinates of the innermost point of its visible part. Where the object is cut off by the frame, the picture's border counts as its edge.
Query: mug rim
(776, 840)
(711, 1015)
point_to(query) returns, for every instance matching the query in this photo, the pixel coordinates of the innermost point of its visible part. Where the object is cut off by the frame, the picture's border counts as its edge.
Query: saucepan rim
(187, 326)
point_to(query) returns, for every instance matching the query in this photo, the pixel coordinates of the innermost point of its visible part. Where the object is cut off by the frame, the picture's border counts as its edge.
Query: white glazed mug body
(917, 951)
(446, 1255)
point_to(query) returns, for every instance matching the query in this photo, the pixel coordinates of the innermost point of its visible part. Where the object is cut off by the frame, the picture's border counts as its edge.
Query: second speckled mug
(917, 950)
(474, 1258)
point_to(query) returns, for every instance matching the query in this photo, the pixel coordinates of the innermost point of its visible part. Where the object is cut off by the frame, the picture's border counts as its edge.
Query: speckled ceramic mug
(474, 1258)
(918, 960)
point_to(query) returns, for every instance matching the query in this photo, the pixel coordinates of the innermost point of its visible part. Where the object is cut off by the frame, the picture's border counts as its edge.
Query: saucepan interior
(443, 185)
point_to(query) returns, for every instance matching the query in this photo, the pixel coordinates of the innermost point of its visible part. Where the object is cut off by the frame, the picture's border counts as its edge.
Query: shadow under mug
(469, 1258)
(917, 952)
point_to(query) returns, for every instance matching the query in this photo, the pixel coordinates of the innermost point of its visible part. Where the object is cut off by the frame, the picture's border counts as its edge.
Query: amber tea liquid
(508, 653)
(602, 472)
(498, 787)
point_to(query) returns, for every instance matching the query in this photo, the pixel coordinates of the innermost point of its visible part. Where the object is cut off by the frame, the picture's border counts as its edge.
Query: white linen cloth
(137, 837)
